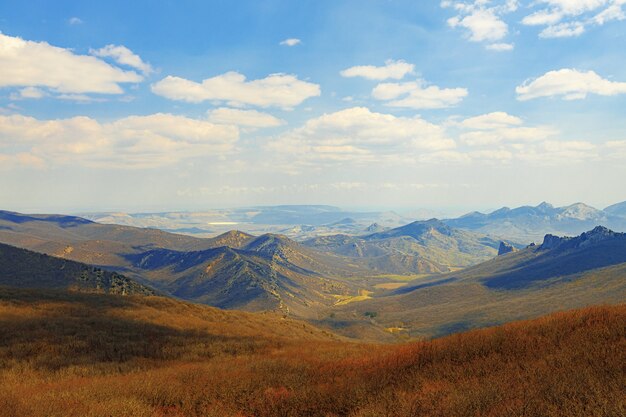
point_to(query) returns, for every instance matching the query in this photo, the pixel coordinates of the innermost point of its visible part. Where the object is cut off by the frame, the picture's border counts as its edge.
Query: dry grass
(95, 355)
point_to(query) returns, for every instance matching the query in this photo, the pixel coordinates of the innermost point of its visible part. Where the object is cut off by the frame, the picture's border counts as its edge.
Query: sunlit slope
(26, 269)
(88, 354)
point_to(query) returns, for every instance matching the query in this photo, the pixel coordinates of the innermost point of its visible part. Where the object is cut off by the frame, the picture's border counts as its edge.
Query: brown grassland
(65, 354)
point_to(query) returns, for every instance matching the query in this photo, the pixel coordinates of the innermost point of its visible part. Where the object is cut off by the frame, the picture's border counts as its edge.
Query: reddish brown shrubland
(93, 355)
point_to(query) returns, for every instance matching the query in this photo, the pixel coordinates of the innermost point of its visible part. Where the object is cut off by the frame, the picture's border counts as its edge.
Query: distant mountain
(296, 221)
(618, 209)
(22, 268)
(428, 246)
(527, 223)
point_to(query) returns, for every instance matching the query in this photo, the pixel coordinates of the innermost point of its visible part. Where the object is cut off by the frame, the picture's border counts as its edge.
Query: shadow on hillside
(65, 329)
(554, 264)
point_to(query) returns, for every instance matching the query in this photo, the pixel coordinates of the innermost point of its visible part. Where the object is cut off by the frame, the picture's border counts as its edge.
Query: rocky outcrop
(506, 248)
(596, 235)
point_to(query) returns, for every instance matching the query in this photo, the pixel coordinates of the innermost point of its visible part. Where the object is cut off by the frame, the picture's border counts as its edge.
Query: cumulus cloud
(483, 21)
(567, 18)
(358, 134)
(291, 42)
(495, 120)
(123, 56)
(131, 142)
(279, 90)
(391, 70)
(570, 84)
(75, 21)
(500, 127)
(38, 64)
(499, 137)
(247, 118)
(418, 95)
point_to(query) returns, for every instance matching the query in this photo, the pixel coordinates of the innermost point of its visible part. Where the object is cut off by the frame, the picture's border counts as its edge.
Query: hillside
(421, 247)
(561, 273)
(269, 273)
(233, 270)
(26, 269)
(99, 355)
(528, 223)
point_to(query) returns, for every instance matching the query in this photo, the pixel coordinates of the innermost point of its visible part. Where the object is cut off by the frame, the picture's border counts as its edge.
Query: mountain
(420, 247)
(527, 223)
(22, 268)
(618, 209)
(270, 272)
(296, 221)
(562, 272)
(233, 270)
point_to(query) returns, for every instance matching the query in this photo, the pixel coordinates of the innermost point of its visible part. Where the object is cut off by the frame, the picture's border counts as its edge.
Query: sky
(192, 105)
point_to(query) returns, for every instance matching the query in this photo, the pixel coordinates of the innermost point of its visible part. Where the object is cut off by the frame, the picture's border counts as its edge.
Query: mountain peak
(545, 206)
(597, 234)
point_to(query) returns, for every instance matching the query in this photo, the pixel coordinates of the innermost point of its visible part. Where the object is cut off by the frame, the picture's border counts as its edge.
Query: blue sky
(174, 105)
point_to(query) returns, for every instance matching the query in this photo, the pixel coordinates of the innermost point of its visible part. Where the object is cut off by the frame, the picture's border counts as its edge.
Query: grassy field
(64, 354)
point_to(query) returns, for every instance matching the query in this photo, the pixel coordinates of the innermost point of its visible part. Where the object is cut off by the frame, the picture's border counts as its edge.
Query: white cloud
(124, 56)
(563, 30)
(358, 134)
(417, 95)
(483, 25)
(500, 127)
(28, 93)
(500, 47)
(483, 21)
(75, 21)
(506, 134)
(131, 142)
(39, 64)
(495, 120)
(248, 118)
(570, 84)
(291, 42)
(568, 18)
(391, 70)
(280, 90)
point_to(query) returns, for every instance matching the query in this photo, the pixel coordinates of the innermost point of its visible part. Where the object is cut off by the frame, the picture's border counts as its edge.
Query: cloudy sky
(189, 105)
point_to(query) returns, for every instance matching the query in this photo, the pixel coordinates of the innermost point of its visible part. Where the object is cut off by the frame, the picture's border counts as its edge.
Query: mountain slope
(97, 355)
(560, 273)
(618, 209)
(270, 272)
(26, 269)
(419, 247)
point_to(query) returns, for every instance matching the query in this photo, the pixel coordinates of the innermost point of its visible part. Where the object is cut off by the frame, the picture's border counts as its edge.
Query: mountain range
(238, 270)
(421, 279)
(527, 223)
